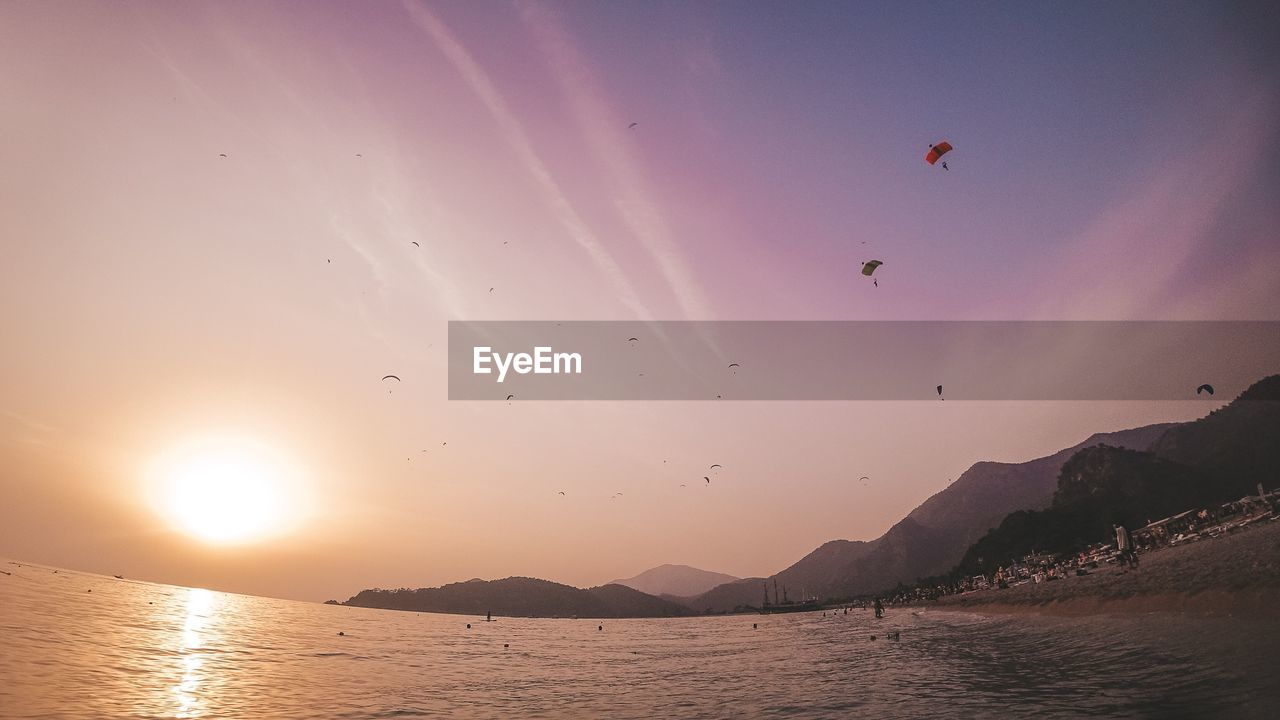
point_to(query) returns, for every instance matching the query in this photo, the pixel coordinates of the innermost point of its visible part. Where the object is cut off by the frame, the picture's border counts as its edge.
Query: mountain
(1238, 445)
(1099, 487)
(521, 597)
(675, 580)
(1204, 463)
(932, 538)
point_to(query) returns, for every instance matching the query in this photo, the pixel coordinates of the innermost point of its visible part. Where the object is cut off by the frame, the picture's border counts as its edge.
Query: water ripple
(132, 649)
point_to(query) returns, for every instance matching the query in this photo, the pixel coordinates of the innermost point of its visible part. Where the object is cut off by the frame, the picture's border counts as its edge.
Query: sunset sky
(1113, 161)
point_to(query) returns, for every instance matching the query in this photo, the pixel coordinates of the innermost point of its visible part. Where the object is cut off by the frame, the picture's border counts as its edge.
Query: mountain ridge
(932, 538)
(521, 597)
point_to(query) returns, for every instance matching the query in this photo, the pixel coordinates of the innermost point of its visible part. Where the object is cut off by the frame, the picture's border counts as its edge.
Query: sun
(226, 490)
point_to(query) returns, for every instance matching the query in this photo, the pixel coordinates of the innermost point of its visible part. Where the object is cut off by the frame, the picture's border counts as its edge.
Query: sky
(1113, 161)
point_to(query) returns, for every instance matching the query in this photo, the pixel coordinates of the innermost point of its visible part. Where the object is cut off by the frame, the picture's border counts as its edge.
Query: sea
(76, 645)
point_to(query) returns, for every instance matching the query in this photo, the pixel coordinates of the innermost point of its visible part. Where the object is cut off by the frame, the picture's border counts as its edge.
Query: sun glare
(226, 491)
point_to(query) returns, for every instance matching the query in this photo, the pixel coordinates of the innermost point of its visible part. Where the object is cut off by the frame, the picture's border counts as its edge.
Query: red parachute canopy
(937, 151)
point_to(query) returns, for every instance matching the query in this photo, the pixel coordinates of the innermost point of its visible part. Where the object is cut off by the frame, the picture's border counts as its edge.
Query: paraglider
(510, 396)
(713, 467)
(561, 492)
(870, 266)
(734, 365)
(864, 478)
(633, 341)
(222, 154)
(704, 477)
(415, 243)
(390, 377)
(1205, 388)
(936, 152)
(632, 125)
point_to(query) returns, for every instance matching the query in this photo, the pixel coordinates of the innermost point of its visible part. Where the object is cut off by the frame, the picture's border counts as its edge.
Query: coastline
(1235, 575)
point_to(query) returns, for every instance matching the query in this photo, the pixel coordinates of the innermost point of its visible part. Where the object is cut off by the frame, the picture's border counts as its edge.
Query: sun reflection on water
(200, 606)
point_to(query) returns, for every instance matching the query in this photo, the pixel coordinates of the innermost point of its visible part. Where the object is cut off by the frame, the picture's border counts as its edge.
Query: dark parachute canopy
(937, 151)
(713, 467)
(939, 390)
(1205, 388)
(391, 377)
(870, 267)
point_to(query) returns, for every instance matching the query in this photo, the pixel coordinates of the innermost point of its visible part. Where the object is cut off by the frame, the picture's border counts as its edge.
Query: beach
(1234, 575)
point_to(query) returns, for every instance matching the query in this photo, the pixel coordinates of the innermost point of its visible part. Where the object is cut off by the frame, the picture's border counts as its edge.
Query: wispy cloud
(31, 431)
(27, 422)
(513, 133)
(607, 137)
(1126, 263)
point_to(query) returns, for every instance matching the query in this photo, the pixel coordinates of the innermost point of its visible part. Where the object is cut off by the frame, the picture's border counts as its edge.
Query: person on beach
(1124, 545)
(879, 609)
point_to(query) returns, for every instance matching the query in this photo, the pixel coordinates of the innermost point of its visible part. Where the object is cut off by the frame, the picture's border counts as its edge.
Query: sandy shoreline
(1234, 575)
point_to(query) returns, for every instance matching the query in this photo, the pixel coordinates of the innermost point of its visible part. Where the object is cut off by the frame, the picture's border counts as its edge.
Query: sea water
(75, 645)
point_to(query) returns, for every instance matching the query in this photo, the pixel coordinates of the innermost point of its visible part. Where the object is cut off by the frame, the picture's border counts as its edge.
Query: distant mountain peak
(675, 580)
